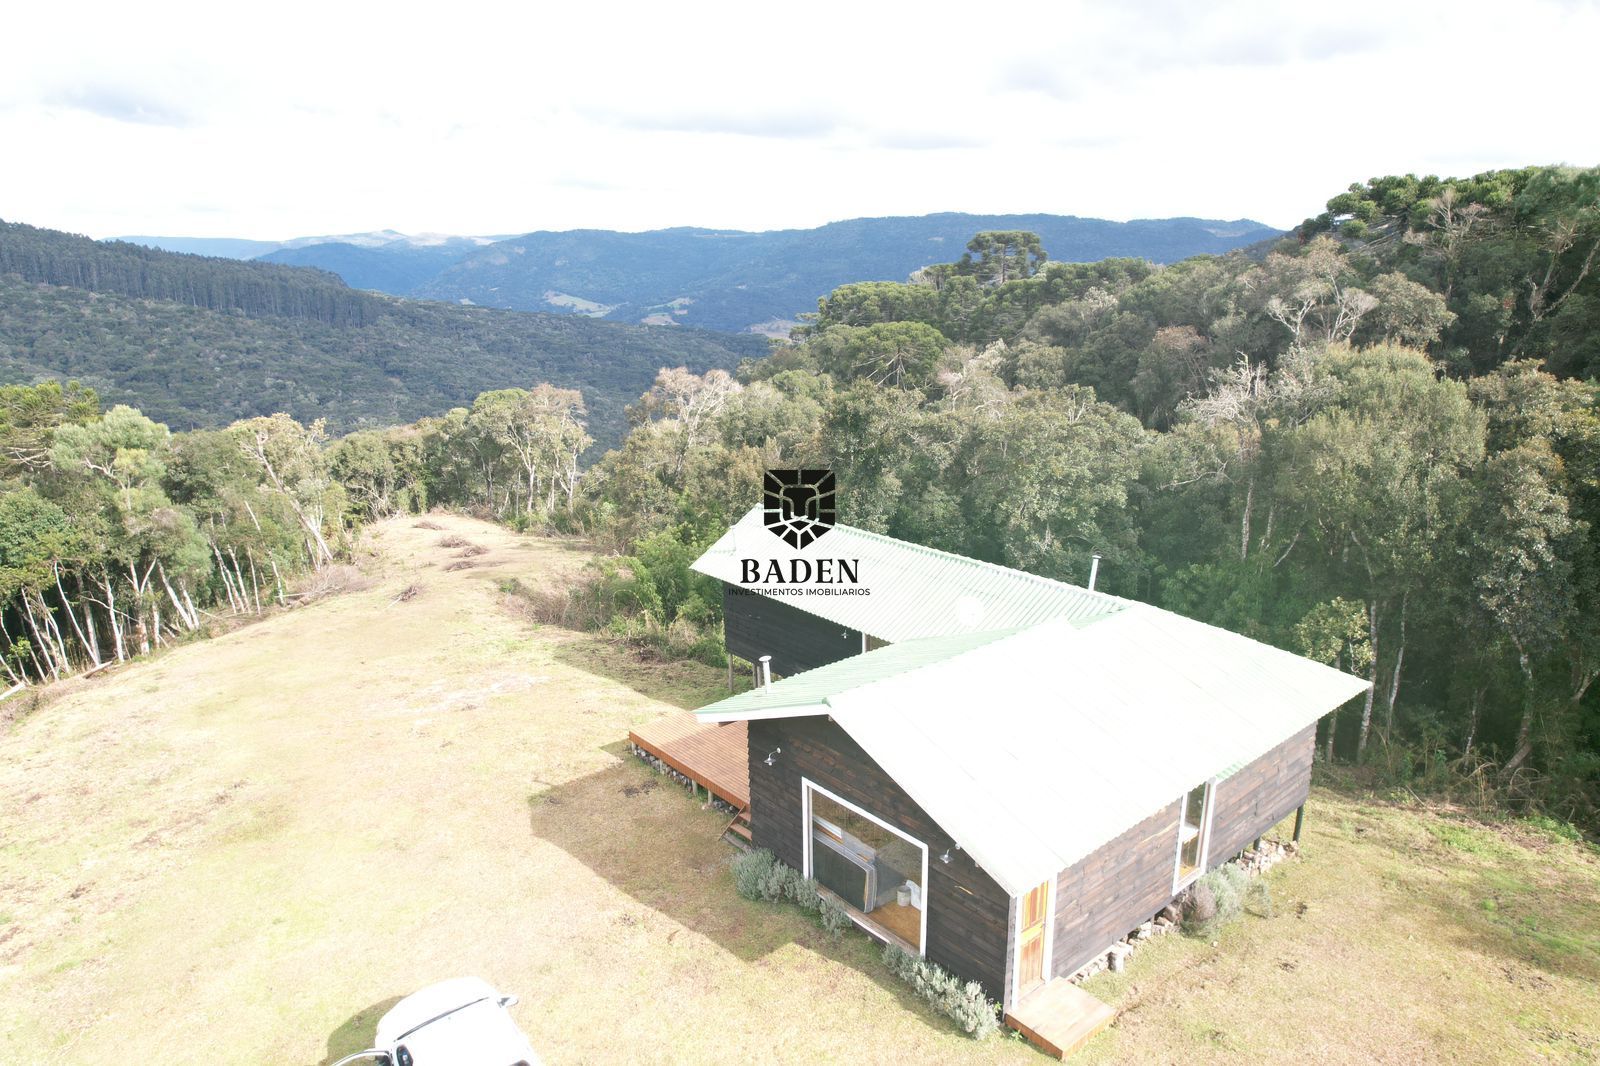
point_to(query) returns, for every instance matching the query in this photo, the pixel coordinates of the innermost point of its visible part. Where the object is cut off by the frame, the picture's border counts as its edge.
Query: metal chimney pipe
(766, 674)
(1094, 569)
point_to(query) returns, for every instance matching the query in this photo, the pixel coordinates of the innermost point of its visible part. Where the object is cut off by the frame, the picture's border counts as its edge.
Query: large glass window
(1193, 826)
(876, 871)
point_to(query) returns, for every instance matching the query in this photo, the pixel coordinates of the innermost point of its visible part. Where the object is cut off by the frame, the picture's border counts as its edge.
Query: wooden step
(738, 828)
(1060, 1018)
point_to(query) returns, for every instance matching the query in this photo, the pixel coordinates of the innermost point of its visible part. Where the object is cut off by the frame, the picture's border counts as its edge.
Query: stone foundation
(1254, 861)
(666, 771)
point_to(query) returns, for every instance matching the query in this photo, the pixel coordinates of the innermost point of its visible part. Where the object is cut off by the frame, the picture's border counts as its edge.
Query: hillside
(198, 341)
(727, 280)
(264, 817)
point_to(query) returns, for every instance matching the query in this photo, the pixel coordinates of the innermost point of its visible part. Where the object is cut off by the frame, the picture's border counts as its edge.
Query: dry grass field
(244, 850)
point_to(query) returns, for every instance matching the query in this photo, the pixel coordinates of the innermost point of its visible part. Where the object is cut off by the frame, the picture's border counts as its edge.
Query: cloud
(121, 103)
(779, 123)
(926, 140)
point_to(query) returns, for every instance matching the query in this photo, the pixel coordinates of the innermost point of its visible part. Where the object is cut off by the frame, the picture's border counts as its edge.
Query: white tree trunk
(1372, 679)
(116, 628)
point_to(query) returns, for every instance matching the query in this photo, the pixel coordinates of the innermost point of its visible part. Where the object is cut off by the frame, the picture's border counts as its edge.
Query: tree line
(1330, 445)
(1323, 444)
(254, 289)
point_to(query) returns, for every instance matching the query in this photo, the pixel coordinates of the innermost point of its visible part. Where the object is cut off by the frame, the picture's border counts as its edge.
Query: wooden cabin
(1001, 772)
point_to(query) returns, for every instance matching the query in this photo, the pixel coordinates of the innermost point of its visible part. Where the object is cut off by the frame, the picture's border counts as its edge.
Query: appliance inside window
(874, 870)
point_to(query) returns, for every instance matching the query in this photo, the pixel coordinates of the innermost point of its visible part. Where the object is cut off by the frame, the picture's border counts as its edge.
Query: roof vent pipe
(1094, 569)
(766, 674)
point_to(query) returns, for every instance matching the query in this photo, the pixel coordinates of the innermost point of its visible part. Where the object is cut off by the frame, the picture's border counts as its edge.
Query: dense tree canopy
(1376, 442)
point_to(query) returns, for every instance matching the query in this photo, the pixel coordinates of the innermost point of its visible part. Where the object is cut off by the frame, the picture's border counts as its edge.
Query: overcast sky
(281, 120)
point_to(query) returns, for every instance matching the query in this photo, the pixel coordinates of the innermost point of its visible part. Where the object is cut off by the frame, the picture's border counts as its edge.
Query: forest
(200, 342)
(1375, 442)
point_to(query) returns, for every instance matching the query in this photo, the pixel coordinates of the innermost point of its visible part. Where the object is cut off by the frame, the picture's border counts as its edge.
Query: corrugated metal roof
(791, 696)
(1034, 748)
(914, 591)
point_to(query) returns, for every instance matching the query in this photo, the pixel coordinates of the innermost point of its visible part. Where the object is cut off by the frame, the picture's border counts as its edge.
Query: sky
(289, 119)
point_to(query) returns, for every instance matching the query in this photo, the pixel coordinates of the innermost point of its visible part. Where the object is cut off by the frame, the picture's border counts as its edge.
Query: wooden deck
(715, 757)
(1059, 1017)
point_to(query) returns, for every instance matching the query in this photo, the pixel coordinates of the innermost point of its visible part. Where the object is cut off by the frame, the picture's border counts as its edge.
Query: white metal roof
(914, 591)
(1035, 748)
(815, 688)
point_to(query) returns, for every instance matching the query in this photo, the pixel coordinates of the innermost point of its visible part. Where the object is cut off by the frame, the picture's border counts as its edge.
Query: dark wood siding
(759, 625)
(1123, 883)
(968, 926)
(1259, 796)
(1118, 886)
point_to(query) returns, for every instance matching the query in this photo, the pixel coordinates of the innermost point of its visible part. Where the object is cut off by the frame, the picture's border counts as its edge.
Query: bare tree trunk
(44, 645)
(1244, 522)
(66, 604)
(11, 645)
(188, 600)
(227, 585)
(94, 633)
(278, 578)
(1333, 728)
(155, 619)
(111, 610)
(190, 624)
(255, 578)
(1372, 678)
(1472, 720)
(1525, 729)
(54, 631)
(239, 575)
(1394, 680)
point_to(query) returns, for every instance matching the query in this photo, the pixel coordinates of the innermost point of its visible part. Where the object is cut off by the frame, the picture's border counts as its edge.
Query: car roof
(479, 1034)
(429, 1003)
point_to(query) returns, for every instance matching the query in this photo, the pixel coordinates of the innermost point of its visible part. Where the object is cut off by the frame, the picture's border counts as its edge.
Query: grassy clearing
(1402, 936)
(246, 850)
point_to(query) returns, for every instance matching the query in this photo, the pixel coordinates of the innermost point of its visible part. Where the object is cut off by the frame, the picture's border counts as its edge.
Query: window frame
(1208, 804)
(807, 788)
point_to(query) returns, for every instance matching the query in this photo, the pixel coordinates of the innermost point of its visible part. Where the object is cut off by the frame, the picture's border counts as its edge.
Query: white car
(461, 1022)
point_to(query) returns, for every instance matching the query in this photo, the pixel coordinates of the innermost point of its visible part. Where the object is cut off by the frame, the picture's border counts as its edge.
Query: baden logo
(799, 504)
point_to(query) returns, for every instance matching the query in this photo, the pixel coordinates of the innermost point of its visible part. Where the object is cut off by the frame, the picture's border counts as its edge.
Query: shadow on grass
(642, 834)
(681, 683)
(358, 1032)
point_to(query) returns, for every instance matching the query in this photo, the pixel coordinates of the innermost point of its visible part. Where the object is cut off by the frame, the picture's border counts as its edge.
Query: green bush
(750, 871)
(775, 885)
(835, 919)
(757, 875)
(963, 1002)
(1216, 899)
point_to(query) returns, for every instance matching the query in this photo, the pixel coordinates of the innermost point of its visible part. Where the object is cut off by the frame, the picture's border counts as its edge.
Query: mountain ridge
(201, 341)
(730, 280)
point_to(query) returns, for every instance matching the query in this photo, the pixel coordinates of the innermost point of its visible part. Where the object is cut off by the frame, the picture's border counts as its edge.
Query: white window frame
(1207, 814)
(807, 787)
(1045, 976)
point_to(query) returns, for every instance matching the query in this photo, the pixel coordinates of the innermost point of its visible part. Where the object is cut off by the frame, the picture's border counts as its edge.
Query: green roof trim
(814, 688)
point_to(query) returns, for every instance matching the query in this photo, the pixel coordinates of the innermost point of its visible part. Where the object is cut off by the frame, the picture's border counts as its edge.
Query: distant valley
(200, 341)
(726, 280)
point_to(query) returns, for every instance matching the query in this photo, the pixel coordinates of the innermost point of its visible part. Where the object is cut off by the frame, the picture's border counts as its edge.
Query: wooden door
(1030, 940)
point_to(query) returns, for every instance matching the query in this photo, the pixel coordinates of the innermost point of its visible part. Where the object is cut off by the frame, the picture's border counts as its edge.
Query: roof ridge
(965, 643)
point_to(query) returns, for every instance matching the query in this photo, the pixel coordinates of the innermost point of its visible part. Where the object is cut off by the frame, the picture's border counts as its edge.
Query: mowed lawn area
(246, 849)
